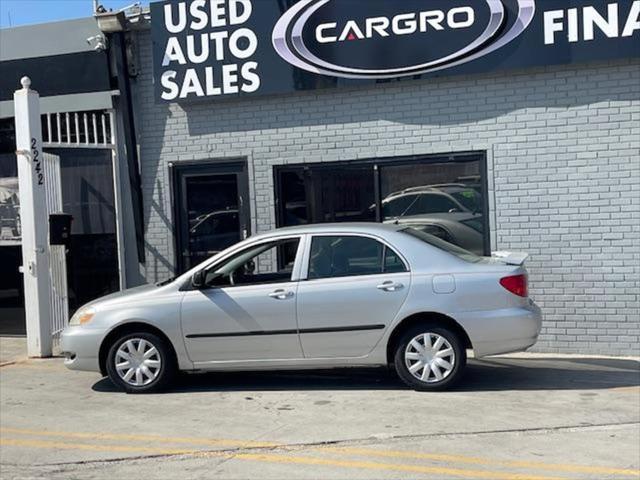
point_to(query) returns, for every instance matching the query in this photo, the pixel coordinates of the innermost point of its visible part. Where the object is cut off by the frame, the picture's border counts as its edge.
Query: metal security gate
(91, 129)
(79, 130)
(59, 297)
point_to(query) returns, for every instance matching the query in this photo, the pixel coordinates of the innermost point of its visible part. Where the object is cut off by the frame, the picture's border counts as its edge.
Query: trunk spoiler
(511, 258)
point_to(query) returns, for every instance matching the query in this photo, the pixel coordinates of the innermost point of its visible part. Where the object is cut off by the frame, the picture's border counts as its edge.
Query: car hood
(122, 296)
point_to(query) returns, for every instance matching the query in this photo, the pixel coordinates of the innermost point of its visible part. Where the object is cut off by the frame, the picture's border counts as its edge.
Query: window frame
(304, 273)
(378, 163)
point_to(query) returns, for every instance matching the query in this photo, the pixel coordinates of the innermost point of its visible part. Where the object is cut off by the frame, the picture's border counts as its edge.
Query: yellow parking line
(284, 459)
(368, 452)
(143, 438)
(30, 363)
(482, 461)
(95, 448)
(446, 471)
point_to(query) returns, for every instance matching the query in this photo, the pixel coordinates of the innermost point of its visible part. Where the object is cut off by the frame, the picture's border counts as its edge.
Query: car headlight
(82, 316)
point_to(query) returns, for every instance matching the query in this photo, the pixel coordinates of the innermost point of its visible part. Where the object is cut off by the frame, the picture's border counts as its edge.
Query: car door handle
(281, 294)
(390, 286)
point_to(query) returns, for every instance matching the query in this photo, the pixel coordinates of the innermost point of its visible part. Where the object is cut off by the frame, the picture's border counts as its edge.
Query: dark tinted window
(447, 191)
(328, 193)
(212, 207)
(392, 262)
(343, 256)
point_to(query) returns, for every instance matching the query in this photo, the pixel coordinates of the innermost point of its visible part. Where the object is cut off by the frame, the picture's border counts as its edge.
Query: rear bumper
(80, 347)
(502, 331)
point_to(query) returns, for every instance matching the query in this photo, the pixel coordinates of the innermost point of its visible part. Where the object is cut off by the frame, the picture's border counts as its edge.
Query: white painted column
(35, 222)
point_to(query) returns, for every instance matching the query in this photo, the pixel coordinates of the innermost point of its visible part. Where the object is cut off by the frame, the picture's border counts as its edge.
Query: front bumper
(80, 347)
(502, 331)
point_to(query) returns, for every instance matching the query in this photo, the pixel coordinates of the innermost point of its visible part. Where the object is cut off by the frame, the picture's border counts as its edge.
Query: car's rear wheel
(429, 357)
(140, 363)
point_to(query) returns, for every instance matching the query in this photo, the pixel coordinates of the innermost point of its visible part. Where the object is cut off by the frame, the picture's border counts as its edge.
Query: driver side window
(270, 262)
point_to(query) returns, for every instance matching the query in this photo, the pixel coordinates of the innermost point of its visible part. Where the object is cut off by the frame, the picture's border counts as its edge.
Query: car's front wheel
(140, 363)
(429, 357)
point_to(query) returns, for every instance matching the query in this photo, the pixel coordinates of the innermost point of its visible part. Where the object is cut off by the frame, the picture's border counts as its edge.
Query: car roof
(348, 227)
(452, 216)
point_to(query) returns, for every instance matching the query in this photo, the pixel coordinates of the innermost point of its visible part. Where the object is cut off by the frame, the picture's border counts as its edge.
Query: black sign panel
(81, 72)
(227, 48)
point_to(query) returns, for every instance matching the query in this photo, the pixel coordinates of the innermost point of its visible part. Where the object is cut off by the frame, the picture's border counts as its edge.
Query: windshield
(442, 245)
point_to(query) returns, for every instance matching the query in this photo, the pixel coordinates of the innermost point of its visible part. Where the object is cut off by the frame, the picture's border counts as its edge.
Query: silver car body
(316, 323)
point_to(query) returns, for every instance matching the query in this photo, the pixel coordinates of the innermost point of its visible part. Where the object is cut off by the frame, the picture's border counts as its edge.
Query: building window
(444, 195)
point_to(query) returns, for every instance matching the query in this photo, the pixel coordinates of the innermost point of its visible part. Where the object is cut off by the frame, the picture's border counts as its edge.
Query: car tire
(152, 365)
(436, 368)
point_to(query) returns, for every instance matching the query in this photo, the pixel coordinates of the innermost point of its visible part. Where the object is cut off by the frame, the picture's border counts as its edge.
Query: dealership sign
(222, 48)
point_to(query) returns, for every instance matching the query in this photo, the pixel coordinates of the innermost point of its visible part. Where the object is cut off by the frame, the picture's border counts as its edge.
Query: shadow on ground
(481, 375)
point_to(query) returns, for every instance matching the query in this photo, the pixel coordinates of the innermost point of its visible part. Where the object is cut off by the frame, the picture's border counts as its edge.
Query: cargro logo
(386, 39)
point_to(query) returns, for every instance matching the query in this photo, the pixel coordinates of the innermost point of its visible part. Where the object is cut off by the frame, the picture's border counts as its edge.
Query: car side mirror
(197, 280)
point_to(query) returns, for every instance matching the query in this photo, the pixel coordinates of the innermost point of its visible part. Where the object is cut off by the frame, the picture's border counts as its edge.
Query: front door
(354, 289)
(246, 307)
(211, 209)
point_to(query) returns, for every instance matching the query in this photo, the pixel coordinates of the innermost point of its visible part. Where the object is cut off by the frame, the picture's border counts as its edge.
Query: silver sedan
(319, 296)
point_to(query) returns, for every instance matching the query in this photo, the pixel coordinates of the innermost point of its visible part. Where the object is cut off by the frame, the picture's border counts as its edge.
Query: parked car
(352, 295)
(429, 199)
(213, 232)
(460, 228)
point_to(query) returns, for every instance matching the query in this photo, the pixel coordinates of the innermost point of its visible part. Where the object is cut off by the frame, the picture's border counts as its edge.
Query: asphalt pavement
(515, 417)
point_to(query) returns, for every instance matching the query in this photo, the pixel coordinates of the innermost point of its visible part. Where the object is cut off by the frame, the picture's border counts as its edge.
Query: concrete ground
(530, 416)
(12, 349)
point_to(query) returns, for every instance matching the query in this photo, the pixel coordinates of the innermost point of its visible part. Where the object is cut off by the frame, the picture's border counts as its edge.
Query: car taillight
(516, 284)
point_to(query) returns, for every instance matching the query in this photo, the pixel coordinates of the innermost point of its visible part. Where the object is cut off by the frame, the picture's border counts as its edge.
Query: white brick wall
(563, 148)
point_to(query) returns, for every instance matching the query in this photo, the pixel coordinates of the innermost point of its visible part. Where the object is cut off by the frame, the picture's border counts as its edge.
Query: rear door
(354, 288)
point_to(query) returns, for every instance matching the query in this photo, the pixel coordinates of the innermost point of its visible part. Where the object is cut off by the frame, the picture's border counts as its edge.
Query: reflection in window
(213, 211)
(344, 256)
(441, 196)
(446, 200)
(327, 194)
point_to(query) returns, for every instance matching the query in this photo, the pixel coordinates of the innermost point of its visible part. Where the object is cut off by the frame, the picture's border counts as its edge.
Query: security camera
(98, 42)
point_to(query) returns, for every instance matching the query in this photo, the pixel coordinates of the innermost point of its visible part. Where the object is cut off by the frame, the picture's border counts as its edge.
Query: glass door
(212, 210)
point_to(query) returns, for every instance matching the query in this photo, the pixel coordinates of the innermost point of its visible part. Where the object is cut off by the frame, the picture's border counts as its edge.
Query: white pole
(35, 224)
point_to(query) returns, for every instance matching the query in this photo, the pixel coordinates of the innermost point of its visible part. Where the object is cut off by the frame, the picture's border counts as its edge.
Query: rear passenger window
(344, 256)
(392, 262)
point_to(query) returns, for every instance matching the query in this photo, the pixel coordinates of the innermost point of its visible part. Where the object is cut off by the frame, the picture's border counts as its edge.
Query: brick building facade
(560, 146)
